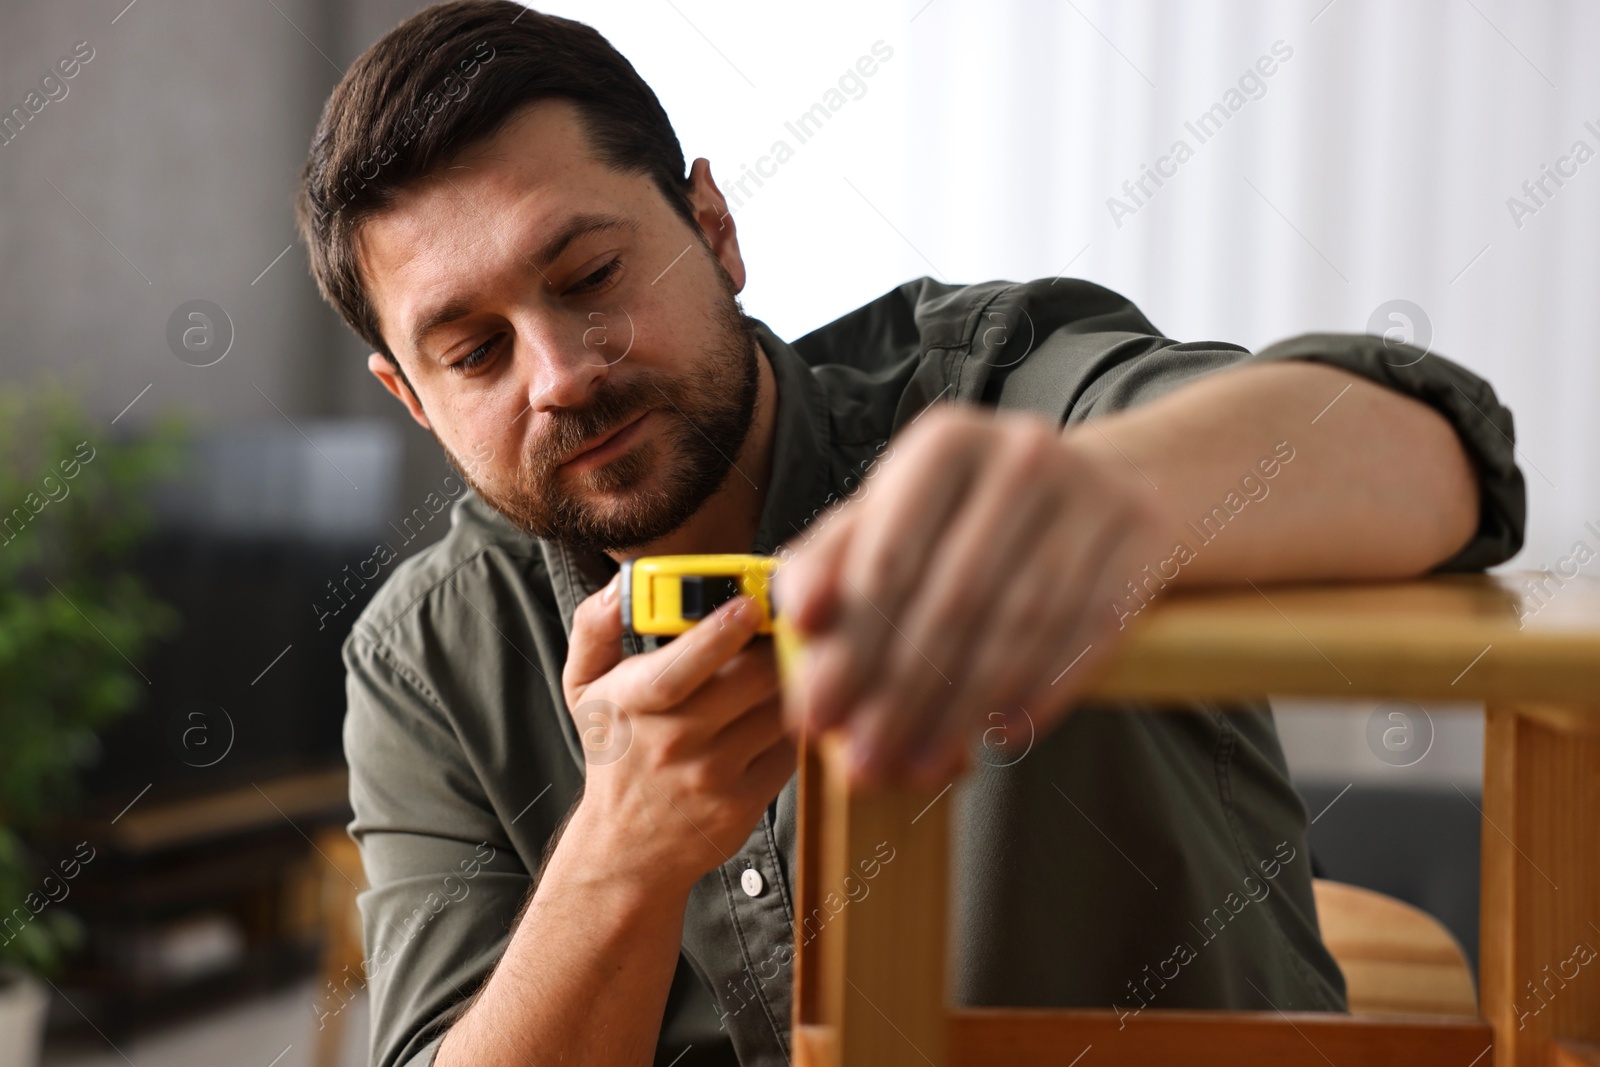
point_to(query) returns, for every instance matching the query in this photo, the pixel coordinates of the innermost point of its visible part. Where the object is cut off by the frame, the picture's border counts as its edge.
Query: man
(579, 842)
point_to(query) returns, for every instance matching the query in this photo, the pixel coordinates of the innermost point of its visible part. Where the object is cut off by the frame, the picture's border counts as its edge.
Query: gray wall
(180, 142)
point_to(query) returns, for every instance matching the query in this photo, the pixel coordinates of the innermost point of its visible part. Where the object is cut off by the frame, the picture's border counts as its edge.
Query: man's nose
(566, 369)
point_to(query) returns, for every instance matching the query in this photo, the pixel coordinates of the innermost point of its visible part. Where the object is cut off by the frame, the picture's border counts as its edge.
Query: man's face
(574, 345)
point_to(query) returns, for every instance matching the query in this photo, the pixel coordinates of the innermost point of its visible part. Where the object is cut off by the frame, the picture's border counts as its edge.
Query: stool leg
(880, 924)
(1539, 985)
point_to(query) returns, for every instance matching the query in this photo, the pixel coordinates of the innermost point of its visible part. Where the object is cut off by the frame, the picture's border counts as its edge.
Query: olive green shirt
(1124, 860)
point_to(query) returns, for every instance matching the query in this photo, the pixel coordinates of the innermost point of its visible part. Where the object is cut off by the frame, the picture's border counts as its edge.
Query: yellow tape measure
(667, 595)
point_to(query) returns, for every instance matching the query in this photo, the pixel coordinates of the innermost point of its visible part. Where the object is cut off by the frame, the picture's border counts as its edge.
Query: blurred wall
(164, 175)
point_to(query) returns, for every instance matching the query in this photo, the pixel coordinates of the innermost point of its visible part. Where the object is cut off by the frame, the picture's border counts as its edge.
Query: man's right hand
(689, 746)
(685, 752)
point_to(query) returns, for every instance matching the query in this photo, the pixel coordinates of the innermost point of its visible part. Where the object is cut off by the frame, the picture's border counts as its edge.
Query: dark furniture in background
(203, 807)
(1417, 844)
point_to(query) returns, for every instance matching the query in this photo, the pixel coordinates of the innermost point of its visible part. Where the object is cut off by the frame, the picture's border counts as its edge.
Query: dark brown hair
(444, 79)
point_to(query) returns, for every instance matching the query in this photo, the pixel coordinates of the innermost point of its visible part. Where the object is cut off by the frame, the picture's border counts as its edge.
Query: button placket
(764, 926)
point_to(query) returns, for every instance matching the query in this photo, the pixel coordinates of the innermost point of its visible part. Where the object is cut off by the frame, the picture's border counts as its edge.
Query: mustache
(613, 404)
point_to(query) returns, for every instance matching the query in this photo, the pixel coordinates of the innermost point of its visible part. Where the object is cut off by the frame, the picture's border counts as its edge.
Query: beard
(655, 486)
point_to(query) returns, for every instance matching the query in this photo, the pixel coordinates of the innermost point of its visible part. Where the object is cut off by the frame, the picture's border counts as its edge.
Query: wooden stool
(341, 974)
(1396, 959)
(870, 989)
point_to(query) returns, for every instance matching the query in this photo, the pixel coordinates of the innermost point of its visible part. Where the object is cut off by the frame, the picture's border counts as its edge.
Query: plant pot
(23, 1002)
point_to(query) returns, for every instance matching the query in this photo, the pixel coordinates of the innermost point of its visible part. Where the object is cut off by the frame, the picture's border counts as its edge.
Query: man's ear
(389, 374)
(716, 222)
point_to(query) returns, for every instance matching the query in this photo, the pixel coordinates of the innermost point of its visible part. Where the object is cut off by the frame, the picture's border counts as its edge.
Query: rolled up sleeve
(1094, 365)
(1467, 401)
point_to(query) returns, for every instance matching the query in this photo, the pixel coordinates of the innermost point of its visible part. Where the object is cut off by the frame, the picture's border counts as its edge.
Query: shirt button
(751, 882)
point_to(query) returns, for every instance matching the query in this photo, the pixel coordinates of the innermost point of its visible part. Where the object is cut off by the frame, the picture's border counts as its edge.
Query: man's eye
(597, 279)
(477, 357)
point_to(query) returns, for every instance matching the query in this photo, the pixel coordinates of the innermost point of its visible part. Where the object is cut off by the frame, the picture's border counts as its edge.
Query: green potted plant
(74, 620)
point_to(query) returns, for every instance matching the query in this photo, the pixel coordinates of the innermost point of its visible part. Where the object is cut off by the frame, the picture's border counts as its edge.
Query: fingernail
(609, 593)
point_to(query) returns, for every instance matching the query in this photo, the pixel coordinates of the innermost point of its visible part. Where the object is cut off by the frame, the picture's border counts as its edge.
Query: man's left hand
(969, 581)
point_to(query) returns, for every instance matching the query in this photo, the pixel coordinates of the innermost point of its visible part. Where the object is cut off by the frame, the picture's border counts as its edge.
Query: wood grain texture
(1037, 1038)
(1540, 912)
(872, 988)
(1448, 637)
(881, 951)
(814, 1045)
(1396, 959)
(807, 877)
(1575, 1054)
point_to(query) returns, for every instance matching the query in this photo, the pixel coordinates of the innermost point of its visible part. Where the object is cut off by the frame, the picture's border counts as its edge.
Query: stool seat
(1396, 959)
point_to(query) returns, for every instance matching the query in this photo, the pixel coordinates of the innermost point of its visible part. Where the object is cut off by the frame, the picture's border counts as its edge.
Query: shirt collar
(798, 486)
